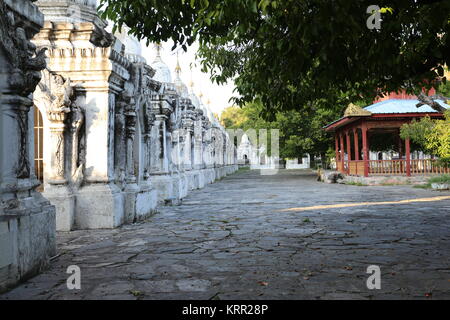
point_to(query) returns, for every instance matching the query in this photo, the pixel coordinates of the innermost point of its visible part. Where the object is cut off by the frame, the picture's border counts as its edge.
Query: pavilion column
(336, 142)
(356, 141)
(349, 151)
(356, 144)
(365, 151)
(400, 147)
(341, 138)
(408, 157)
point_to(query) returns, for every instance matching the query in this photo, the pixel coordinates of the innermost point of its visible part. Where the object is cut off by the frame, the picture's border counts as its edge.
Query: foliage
(432, 135)
(233, 117)
(442, 179)
(358, 184)
(444, 89)
(292, 53)
(418, 131)
(445, 178)
(438, 140)
(300, 132)
(383, 142)
(422, 186)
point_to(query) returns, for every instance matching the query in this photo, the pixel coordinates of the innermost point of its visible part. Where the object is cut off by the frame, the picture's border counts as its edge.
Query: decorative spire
(191, 83)
(178, 67)
(356, 111)
(159, 48)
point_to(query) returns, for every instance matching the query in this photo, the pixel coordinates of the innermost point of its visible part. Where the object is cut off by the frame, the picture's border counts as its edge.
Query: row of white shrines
(109, 136)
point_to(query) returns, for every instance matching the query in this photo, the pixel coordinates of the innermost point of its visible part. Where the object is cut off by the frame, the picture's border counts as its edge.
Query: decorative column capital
(20, 21)
(131, 119)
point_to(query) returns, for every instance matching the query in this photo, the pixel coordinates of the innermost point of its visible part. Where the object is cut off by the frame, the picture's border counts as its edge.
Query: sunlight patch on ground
(361, 204)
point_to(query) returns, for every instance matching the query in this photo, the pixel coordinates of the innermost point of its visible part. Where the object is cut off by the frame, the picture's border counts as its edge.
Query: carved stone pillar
(187, 147)
(162, 165)
(176, 150)
(188, 132)
(155, 155)
(27, 220)
(81, 49)
(147, 138)
(57, 148)
(119, 142)
(198, 145)
(76, 123)
(149, 122)
(162, 109)
(55, 98)
(130, 134)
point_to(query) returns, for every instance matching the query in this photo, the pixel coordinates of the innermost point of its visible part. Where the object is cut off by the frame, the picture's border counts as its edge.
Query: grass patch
(442, 179)
(445, 178)
(393, 184)
(136, 293)
(423, 186)
(242, 170)
(358, 184)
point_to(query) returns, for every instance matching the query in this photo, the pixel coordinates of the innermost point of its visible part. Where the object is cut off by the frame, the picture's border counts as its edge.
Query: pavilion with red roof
(355, 129)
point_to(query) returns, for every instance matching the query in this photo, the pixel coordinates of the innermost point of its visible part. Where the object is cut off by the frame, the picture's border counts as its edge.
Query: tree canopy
(433, 136)
(291, 53)
(300, 132)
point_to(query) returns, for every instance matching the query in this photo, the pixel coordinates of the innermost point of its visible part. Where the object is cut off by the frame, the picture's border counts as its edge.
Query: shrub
(445, 178)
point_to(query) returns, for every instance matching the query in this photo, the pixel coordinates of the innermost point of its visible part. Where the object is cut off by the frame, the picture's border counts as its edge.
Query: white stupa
(133, 48)
(162, 70)
(179, 84)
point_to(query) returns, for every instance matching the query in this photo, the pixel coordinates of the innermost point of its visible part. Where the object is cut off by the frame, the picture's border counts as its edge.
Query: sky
(218, 95)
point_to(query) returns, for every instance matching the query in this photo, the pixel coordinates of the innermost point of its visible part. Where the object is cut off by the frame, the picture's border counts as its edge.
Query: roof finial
(191, 83)
(178, 67)
(158, 47)
(356, 111)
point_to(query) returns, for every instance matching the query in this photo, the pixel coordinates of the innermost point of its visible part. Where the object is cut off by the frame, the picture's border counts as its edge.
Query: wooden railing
(394, 167)
(428, 166)
(387, 167)
(356, 168)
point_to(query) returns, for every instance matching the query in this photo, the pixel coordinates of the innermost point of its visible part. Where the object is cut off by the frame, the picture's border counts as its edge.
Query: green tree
(433, 136)
(300, 132)
(444, 89)
(438, 140)
(292, 53)
(232, 117)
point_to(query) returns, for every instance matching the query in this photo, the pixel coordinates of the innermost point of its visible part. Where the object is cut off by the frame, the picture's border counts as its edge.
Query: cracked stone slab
(230, 241)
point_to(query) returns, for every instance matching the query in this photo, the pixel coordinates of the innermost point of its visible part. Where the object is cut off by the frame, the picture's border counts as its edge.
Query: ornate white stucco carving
(27, 228)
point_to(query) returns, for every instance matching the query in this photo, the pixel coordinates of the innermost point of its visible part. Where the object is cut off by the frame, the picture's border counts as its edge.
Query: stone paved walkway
(230, 241)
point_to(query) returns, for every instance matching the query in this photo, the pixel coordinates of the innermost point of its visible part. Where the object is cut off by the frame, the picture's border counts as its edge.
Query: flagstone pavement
(235, 240)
